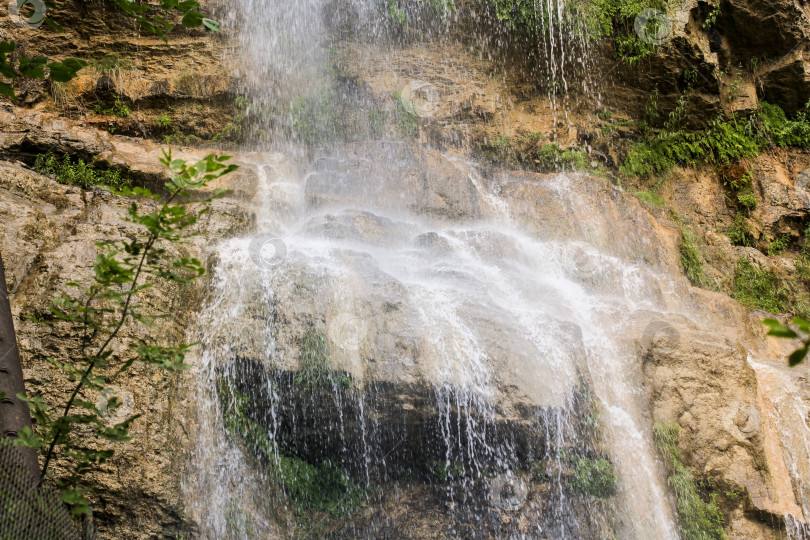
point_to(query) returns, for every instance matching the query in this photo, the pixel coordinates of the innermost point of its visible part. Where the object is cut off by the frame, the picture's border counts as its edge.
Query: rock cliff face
(184, 92)
(48, 236)
(743, 414)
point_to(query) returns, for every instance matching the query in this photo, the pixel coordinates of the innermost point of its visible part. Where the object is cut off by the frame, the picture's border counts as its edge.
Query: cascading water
(413, 346)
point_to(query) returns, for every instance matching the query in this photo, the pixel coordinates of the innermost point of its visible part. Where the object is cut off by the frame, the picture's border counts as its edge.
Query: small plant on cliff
(119, 109)
(313, 360)
(691, 259)
(399, 15)
(650, 197)
(758, 289)
(738, 233)
(164, 121)
(112, 65)
(79, 173)
(405, 115)
(747, 199)
(313, 119)
(77, 434)
(779, 245)
(314, 366)
(698, 519)
(593, 477)
(723, 141)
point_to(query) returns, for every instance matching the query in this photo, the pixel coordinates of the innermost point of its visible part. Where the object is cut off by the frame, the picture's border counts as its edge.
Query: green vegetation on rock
(593, 477)
(723, 141)
(758, 289)
(405, 116)
(738, 233)
(118, 109)
(111, 64)
(439, 472)
(76, 435)
(698, 519)
(323, 487)
(314, 365)
(650, 197)
(544, 157)
(691, 259)
(79, 173)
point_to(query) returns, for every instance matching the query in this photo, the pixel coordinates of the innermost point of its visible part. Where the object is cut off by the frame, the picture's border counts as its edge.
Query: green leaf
(53, 24)
(7, 71)
(782, 332)
(211, 25)
(778, 329)
(187, 5)
(32, 67)
(74, 497)
(28, 439)
(802, 324)
(797, 356)
(65, 70)
(192, 19)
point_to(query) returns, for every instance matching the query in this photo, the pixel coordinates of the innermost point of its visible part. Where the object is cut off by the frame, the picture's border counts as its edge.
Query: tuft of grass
(79, 173)
(181, 138)
(118, 109)
(111, 65)
(313, 360)
(314, 365)
(164, 121)
(747, 199)
(439, 472)
(738, 233)
(691, 259)
(698, 519)
(314, 119)
(550, 157)
(779, 245)
(650, 197)
(405, 115)
(757, 288)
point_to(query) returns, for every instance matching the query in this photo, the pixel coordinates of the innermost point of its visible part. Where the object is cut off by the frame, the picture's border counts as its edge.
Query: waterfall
(409, 345)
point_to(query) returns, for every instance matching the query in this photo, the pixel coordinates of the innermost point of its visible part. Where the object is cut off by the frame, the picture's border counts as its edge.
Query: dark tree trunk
(14, 413)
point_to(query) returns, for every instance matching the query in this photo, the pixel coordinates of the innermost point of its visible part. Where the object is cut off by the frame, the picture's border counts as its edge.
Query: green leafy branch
(75, 432)
(33, 68)
(798, 329)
